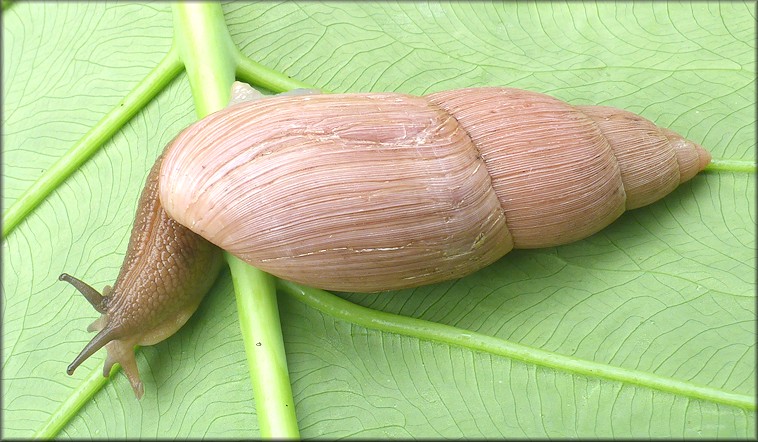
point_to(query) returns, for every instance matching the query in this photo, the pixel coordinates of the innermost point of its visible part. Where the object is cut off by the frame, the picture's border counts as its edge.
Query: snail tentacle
(94, 297)
(103, 337)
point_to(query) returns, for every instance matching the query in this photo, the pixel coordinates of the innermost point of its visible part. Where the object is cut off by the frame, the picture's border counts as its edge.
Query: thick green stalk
(208, 53)
(211, 59)
(262, 335)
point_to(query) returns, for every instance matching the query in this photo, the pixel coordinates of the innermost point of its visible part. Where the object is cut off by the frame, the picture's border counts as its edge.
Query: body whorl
(379, 191)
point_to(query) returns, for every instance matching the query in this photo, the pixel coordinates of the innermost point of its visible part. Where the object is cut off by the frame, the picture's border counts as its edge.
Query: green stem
(111, 123)
(75, 401)
(211, 58)
(431, 331)
(264, 345)
(720, 165)
(256, 74)
(208, 53)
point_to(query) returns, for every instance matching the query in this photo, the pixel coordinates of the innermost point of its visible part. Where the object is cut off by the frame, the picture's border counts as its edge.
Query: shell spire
(564, 172)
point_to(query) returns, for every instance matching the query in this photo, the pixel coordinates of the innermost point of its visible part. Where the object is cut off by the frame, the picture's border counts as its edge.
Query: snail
(369, 192)
(166, 272)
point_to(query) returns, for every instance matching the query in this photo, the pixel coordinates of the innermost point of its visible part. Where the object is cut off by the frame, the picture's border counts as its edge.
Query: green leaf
(667, 292)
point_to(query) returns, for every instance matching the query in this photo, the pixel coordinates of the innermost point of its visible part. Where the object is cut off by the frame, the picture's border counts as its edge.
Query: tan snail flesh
(376, 191)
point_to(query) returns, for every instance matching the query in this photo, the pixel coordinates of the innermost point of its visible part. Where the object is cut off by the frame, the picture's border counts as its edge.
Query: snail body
(372, 192)
(166, 272)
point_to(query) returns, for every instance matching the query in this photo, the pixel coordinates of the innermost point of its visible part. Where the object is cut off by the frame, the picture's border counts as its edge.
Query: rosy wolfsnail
(372, 192)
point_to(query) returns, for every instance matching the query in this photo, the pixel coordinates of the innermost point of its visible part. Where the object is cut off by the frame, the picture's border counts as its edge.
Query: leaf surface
(667, 289)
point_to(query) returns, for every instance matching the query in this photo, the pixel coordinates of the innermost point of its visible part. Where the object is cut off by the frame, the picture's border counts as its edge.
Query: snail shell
(380, 191)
